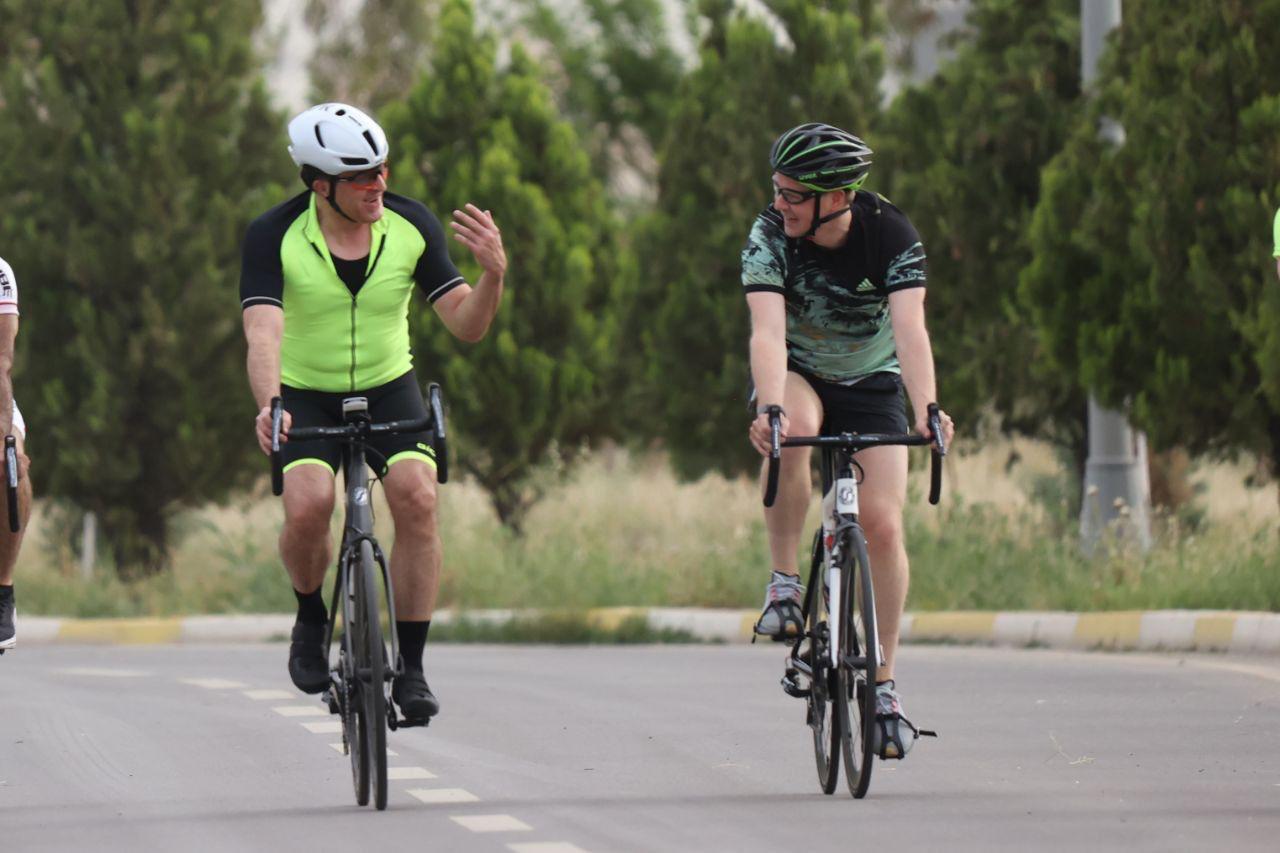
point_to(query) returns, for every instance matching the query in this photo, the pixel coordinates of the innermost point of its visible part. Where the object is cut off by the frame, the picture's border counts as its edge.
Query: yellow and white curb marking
(1152, 630)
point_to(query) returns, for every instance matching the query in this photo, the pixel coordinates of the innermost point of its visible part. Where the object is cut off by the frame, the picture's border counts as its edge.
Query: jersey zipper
(382, 242)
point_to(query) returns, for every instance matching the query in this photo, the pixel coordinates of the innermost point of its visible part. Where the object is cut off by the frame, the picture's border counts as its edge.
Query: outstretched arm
(467, 311)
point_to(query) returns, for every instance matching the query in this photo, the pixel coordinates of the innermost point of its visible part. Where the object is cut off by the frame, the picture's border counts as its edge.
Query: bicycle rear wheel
(856, 676)
(823, 716)
(372, 680)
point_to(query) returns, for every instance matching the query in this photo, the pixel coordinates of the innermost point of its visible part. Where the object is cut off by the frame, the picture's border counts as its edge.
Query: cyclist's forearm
(8, 338)
(6, 401)
(264, 372)
(915, 355)
(769, 368)
(476, 311)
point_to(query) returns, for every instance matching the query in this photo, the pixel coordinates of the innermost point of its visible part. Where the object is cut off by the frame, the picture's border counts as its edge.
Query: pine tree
(139, 140)
(1152, 282)
(963, 152)
(370, 54)
(543, 379)
(819, 61)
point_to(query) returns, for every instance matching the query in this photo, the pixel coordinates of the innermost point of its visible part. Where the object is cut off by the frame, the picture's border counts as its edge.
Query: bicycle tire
(372, 674)
(856, 683)
(353, 714)
(821, 714)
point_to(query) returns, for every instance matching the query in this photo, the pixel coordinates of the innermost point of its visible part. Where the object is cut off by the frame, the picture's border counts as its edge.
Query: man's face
(359, 194)
(795, 202)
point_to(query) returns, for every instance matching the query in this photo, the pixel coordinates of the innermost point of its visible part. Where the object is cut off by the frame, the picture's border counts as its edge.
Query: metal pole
(1117, 486)
(88, 545)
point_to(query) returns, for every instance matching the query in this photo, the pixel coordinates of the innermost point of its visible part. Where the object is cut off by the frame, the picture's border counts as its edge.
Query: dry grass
(621, 530)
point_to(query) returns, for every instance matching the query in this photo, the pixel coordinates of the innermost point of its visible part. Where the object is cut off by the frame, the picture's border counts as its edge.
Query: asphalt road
(553, 750)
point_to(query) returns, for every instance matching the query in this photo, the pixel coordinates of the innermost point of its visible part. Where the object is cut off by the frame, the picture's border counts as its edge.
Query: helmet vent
(373, 146)
(319, 138)
(355, 161)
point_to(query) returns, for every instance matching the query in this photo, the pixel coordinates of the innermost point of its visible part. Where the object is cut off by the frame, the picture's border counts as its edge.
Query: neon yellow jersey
(335, 340)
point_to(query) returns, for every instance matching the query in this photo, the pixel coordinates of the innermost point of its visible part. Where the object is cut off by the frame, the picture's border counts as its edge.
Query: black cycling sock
(311, 609)
(413, 638)
(6, 590)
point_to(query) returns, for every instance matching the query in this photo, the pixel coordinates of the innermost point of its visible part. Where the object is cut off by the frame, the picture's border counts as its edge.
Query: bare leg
(882, 497)
(785, 519)
(305, 548)
(410, 485)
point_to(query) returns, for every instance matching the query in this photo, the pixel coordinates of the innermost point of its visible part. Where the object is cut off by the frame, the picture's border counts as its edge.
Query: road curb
(1134, 630)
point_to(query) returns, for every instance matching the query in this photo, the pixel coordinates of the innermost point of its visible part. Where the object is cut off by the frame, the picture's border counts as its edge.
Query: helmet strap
(818, 222)
(329, 198)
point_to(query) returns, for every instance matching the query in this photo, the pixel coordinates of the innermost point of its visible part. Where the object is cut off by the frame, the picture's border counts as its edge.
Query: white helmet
(336, 138)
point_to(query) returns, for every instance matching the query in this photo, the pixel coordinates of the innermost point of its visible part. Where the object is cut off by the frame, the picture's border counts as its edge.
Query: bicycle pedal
(330, 701)
(792, 687)
(412, 724)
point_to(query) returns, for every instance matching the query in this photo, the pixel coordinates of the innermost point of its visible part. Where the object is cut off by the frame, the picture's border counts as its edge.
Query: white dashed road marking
(104, 673)
(409, 773)
(324, 727)
(269, 694)
(443, 795)
(301, 711)
(214, 683)
(337, 747)
(491, 823)
(546, 847)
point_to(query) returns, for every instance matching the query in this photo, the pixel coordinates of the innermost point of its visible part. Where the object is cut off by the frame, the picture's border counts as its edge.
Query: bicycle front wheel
(824, 716)
(372, 671)
(856, 676)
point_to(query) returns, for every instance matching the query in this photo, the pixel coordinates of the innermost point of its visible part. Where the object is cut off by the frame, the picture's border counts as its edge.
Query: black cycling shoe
(308, 663)
(411, 693)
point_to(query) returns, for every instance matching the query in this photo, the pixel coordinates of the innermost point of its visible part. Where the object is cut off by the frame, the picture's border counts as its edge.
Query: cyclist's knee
(414, 503)
(882, 524)
(308, 511)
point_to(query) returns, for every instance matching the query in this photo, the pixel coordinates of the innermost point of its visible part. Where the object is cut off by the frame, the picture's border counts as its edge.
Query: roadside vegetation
(621, 530)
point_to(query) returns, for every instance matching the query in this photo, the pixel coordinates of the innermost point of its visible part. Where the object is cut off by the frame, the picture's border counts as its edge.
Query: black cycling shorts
(399, 399)
(874, 404)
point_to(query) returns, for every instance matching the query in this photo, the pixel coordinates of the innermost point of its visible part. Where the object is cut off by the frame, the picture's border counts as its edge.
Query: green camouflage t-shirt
(837, 300)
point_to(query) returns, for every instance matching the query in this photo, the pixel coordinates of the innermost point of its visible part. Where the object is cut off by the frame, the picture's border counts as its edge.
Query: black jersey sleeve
(763, 257)
(902, 251)
(261, 271)
(435, 273)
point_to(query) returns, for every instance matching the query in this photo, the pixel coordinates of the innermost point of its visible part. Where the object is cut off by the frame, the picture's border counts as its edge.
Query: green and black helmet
(821, 157)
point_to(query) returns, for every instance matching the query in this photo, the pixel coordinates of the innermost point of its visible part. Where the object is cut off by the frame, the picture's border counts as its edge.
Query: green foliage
(543, 379)
(369, 55)
(615, 70)
(753, 83)
(139, 140)
(1153, 283)
(964, 153)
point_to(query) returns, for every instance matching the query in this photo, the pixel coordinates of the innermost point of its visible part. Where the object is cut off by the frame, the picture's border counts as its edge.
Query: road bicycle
(360, 681)
(832, 663)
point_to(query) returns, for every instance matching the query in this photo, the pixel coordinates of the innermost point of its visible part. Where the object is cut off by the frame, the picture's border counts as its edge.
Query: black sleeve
(902, 251)
(435, 272)
(261, 272)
